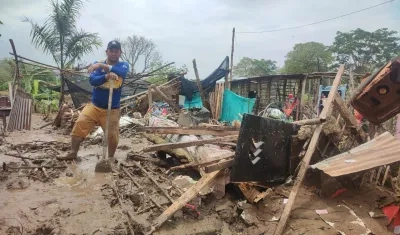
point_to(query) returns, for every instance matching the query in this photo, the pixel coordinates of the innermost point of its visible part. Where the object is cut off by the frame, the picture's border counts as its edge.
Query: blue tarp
(234, 106)
(194, 103)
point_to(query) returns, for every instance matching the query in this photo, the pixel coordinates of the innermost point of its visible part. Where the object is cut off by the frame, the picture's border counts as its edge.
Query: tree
(59, 37)
(366, 50)
(248, 67)
(307, 58)
(161, 76)
(139, 51)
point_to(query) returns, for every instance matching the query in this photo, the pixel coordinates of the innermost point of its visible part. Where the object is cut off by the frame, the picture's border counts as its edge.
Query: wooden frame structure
(276, 88)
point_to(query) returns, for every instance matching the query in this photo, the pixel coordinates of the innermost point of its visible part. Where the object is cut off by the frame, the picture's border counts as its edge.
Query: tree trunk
(62, 72)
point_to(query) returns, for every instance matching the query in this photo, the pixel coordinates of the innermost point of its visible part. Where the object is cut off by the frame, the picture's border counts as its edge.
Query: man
(95, 113)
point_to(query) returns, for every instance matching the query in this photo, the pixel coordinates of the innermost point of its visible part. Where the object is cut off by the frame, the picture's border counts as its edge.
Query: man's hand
(112, 76)
(94, 67)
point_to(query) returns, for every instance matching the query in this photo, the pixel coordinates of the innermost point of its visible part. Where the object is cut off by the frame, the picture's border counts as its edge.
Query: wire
(322, 21)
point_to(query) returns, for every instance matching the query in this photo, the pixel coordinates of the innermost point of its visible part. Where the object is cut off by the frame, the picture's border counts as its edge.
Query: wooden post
(196, 72)
(226, 80)
(150, 96)
(10, 93)
(302, 93)
(310, 151)
(232, 50)
(168, 100)
(349, 118)
(17, 76)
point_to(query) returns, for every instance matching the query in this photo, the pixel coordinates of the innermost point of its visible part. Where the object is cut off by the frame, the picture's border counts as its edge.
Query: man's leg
(113, 130)
(83, 126)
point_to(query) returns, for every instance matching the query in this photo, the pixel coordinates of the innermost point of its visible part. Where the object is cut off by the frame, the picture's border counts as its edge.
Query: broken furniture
(5, 108)
(377, 97)
(263, 150)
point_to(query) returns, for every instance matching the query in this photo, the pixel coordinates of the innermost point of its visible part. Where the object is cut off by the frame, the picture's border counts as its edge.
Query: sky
(184, 30)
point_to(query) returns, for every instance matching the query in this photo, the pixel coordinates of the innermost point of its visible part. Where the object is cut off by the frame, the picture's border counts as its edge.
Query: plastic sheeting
(188, 88)
(194, 103)
(234, 106)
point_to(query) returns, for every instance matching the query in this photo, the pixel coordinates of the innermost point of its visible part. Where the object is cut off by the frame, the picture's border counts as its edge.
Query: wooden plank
(150, 96)
(302, 93)
(10, 93)
(186, 131)
(310, 151)
(232, 50)
(180, 153)
(166, 99)
(200, 164)
(249, 192)
(183, 199)
(196, 72)
(185, 144)
(144, 92)
(30, 115)
(315, 121)
(349, 118)
(218, 166)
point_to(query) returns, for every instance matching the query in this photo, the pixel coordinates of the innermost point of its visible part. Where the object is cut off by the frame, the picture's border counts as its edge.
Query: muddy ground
(75, 200)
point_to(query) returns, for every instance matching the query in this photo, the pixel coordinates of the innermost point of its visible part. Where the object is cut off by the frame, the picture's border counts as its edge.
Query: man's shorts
(92, 116)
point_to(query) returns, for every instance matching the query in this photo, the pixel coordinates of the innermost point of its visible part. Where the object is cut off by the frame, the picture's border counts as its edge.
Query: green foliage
(161, 76)
(307, 58)
(59, 36)
(6, 72)
(31, 73)
(42, 105)
(248, 67)
(366, 50)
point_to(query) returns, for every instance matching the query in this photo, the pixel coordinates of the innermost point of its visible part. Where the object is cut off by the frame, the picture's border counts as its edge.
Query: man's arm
(96, 78)
(121, 71)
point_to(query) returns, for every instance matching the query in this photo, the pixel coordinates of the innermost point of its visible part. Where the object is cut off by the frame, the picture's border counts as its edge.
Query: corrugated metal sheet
(382, 150)
(21, 112)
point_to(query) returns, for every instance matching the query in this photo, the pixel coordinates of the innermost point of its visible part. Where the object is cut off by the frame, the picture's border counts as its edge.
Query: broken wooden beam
(349, 118)
(315, 121)
(310, 151)
(138, 185)
(20, 157)
(200, 164)
(187, 131)
(150, 96)
(180, 153)
(33, 167)
(166, 99)
(121, 204)
(154, 181)
(182, 200)
(196, 72)
(251, 194)
(185, 144)
(218, 166)
(156, 161)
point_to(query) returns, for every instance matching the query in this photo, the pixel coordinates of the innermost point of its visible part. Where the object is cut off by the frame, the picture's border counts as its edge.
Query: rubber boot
(73, 154)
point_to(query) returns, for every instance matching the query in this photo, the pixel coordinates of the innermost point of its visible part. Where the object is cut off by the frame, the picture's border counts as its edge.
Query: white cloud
(184, 30)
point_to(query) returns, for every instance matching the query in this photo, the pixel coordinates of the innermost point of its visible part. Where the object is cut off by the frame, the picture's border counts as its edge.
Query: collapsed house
(261, 136)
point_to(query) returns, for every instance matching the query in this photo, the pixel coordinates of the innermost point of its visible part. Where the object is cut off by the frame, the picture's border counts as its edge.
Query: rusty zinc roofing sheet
(380, 151)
